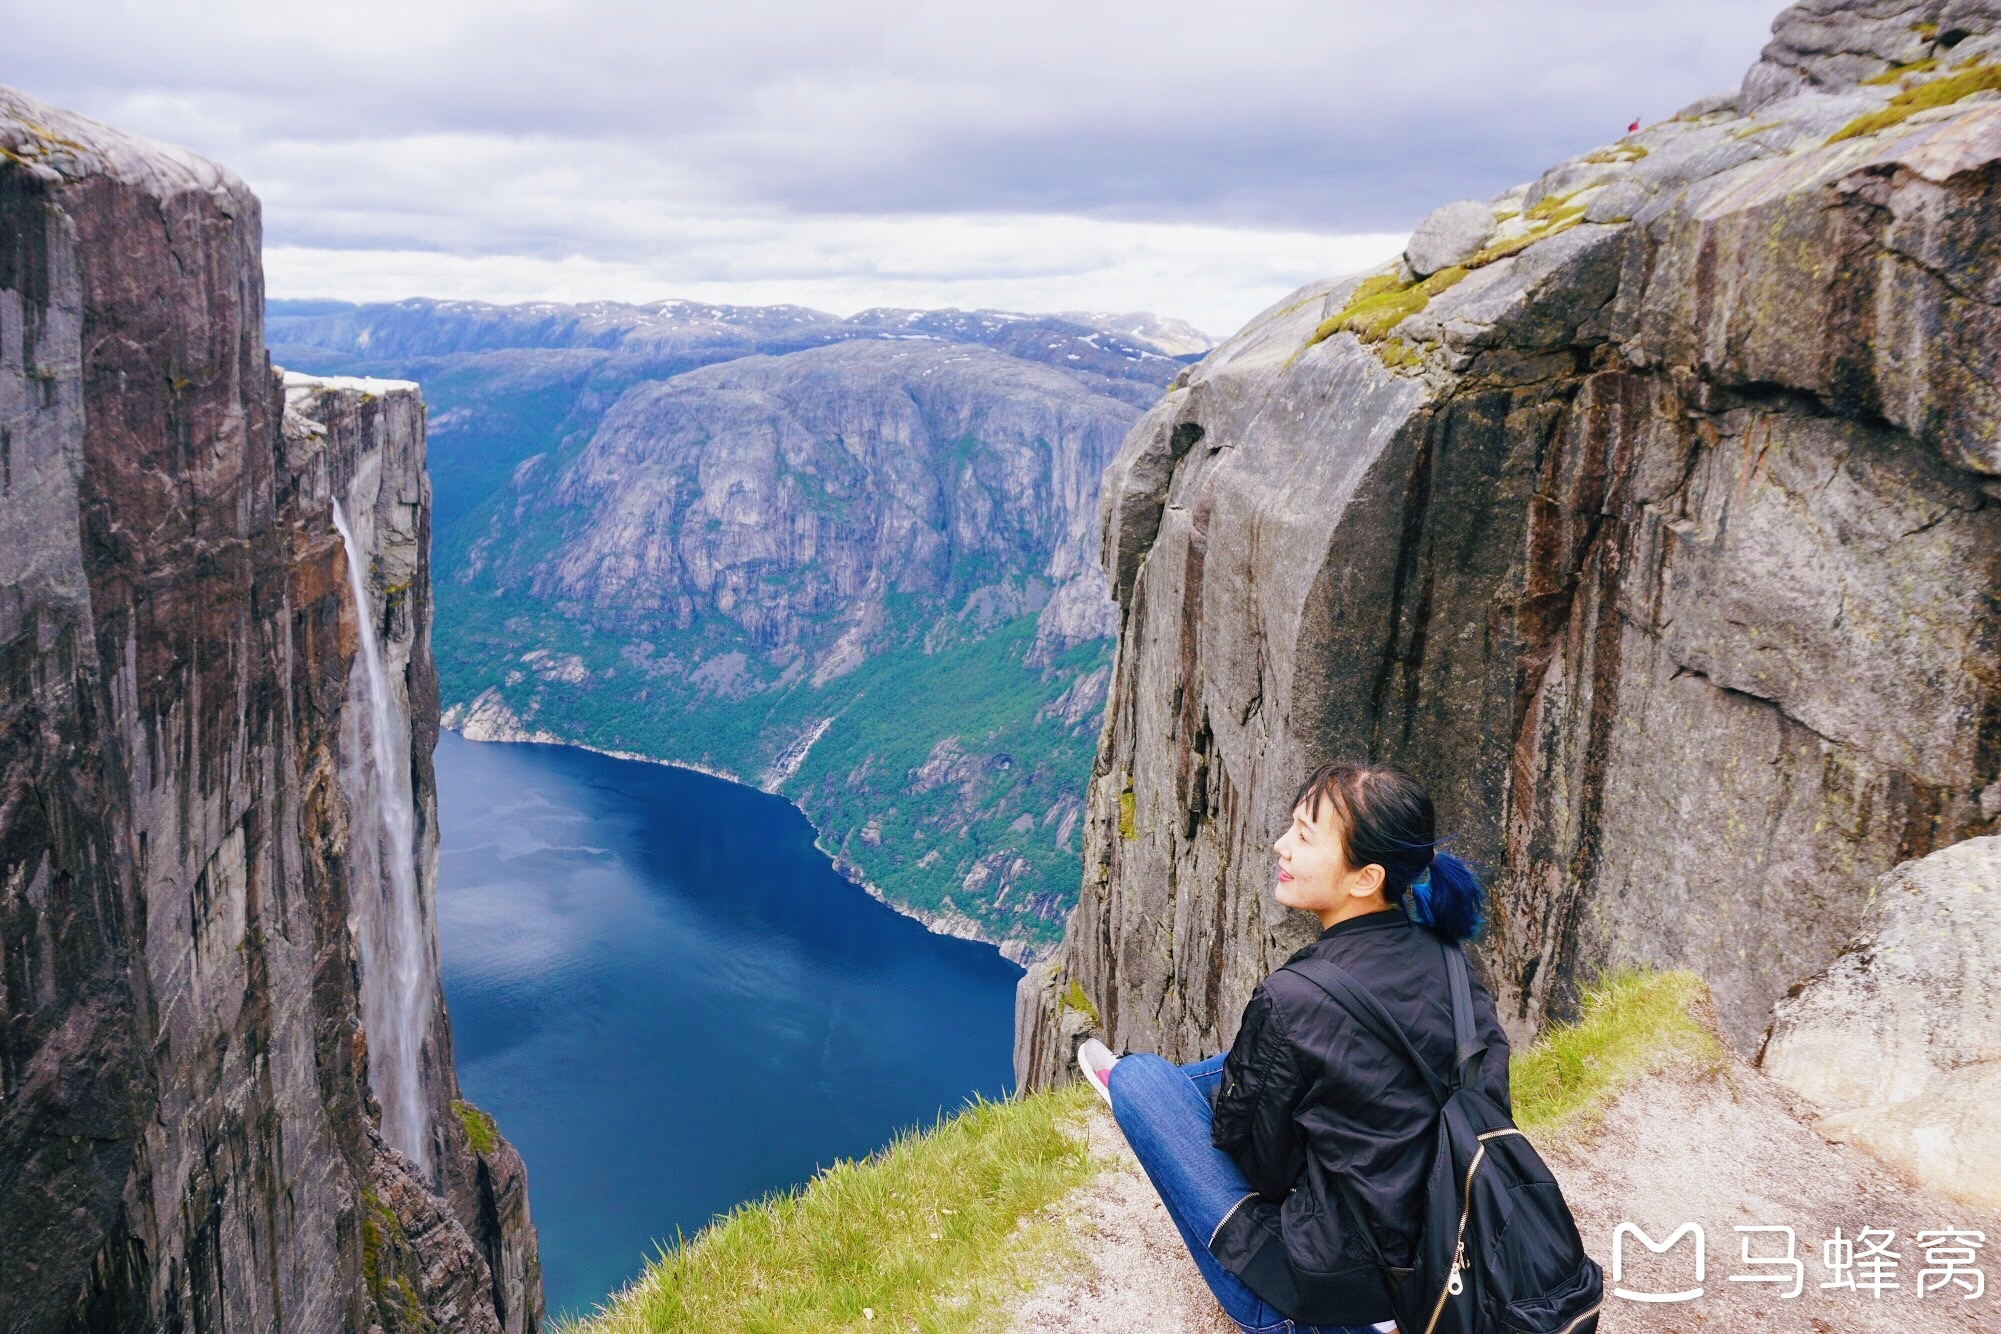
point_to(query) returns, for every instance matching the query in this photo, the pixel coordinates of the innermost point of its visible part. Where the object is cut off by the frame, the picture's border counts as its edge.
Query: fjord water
(672, 1002)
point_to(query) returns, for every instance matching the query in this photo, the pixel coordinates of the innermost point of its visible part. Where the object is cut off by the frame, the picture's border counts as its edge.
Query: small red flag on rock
(1634, 127)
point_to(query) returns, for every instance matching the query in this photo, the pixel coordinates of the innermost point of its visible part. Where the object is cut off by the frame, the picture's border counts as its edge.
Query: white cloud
(862, 150)
(1219, 276)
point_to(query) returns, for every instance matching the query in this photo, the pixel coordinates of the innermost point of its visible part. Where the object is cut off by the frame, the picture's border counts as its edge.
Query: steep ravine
(188, 1135)
(848, 560)
(1653, 520)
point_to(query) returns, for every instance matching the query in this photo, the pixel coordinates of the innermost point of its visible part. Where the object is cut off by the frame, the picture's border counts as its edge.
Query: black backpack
(1499, 1250)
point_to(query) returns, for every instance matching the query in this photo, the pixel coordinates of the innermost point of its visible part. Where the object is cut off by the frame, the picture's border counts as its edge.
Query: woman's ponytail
(1452, 898)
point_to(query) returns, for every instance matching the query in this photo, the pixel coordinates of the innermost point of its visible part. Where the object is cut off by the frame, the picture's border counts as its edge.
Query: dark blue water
(673, 1003)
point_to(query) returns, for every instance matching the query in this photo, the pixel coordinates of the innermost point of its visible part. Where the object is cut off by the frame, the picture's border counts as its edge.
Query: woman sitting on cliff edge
(1253, 1150)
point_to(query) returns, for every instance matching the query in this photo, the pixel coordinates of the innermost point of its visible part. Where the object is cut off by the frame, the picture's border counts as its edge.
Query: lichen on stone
(380, 1230)
(1755, 127)
(1127, 830)
(1617, 153)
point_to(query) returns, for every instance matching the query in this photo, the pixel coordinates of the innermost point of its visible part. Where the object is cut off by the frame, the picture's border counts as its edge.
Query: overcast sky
(1199, 160)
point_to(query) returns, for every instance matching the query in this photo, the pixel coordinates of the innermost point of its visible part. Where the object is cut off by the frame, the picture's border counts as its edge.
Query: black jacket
(1308, 1094)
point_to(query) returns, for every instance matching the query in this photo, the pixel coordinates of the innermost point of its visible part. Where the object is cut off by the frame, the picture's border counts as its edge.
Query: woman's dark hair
(1387, 818)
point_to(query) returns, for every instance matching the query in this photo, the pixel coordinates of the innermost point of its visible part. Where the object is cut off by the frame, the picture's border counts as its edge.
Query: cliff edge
(1648, 512)
(190, 1138)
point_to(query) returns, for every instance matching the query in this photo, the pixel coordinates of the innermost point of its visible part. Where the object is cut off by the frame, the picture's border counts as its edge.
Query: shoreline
(496, 723)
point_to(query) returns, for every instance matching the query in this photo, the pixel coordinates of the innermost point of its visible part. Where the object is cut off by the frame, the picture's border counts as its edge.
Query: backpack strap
(1341, 986)
(1469, 1050)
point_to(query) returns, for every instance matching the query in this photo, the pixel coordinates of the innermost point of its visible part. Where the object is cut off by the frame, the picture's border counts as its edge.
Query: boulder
(1449, 235)
(1898, 1041)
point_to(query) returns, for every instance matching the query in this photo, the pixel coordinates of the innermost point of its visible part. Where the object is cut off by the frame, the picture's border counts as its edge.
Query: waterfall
(396, 984)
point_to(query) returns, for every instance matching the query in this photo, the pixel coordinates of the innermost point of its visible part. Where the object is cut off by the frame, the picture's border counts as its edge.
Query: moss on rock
(1943, 91)
(1075, 999)
(481, 1131)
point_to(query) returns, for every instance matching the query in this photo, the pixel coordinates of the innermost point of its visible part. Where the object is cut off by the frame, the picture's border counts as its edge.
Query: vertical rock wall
(187, 1136)
(1661, 536)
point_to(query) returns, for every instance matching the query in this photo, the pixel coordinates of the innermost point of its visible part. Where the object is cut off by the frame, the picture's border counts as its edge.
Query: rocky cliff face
(1651, 515)
(789, 496)
(189, 1135)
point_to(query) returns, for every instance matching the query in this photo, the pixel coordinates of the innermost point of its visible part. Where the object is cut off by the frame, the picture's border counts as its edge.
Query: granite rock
(1451, 234)
(1898, 1041)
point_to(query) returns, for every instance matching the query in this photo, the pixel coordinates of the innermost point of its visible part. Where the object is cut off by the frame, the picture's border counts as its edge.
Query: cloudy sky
(1198, 159)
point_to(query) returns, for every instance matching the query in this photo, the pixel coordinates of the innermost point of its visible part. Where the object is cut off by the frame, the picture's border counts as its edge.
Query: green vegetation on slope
(1634, 1023)
(481, 1132)
(1942, 91)
(918, 1233)
(921, 1234)
(1380, 303)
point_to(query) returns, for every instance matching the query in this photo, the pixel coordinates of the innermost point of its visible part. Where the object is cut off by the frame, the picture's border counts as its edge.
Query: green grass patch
(1374, 310)
(1634, 1023)
(1379, 305)
(1544, 209)
(1940, 92)
(1514, 245)
(481, 1132)
(1128, 830)
(922, 1234)
(1396, 354)
(1383, 301)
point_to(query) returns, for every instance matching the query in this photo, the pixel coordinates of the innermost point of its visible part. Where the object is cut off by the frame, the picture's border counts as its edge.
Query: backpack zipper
(1582, 1316)
(1454, 1285)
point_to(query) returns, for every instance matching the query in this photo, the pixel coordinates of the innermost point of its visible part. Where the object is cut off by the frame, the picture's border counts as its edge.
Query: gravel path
(1137, 1273)
(1722, 1149)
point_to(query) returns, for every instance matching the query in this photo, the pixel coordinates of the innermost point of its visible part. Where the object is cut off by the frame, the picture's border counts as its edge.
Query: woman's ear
(1369, 881)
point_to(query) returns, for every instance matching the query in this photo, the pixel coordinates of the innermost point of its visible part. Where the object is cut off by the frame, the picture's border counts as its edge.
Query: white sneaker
(1095, 1059)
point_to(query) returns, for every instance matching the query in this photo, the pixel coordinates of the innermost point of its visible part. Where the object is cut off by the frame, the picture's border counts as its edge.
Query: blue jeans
(1164, 1111)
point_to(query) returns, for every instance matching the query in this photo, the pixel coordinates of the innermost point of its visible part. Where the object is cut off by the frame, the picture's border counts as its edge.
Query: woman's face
(1313, 871)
